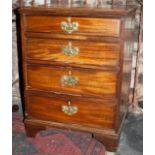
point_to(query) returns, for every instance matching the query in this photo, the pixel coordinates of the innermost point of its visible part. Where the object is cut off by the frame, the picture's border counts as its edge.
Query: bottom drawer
(72, 110)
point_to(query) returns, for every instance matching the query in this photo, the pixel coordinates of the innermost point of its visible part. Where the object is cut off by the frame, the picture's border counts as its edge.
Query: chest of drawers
(76, 64)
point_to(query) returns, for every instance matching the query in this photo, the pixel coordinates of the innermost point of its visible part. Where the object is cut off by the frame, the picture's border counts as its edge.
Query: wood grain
(117, 11)
(82, 37)
(102, 68)
(90, 26)
(90, 53)
(90, 82)
(98, 114)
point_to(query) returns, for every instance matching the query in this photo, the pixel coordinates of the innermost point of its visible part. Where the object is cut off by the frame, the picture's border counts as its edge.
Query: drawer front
(71, 110)
(75, 52)
(72, 80)
(73, 25)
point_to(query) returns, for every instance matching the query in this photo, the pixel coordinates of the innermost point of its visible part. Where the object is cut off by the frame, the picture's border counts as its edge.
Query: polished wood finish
(78, 37)
(110, 141)
(50, 108)
(33, 129)
(80, 10)
(91, 26)
(87, 91)
(90, 82)
(90, 53)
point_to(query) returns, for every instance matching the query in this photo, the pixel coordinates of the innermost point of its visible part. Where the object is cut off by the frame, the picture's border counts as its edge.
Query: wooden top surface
(77, 9)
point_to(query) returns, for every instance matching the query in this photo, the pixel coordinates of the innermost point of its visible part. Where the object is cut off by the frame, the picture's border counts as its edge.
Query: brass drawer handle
(69, 80)
(69, 26)
(69, 109)
(69, 50)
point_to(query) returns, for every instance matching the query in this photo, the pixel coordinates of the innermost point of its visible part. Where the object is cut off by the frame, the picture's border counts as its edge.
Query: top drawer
(73, 25)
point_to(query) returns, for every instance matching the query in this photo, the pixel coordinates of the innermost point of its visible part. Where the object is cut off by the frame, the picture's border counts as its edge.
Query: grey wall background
(16, 98)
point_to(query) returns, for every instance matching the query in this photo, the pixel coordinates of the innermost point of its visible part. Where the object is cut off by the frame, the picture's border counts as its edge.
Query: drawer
(74, 52)
(72, 110)
(72, 80)
(73, 25)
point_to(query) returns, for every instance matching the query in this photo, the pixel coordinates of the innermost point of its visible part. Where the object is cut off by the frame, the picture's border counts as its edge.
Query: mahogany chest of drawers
(76, 65)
